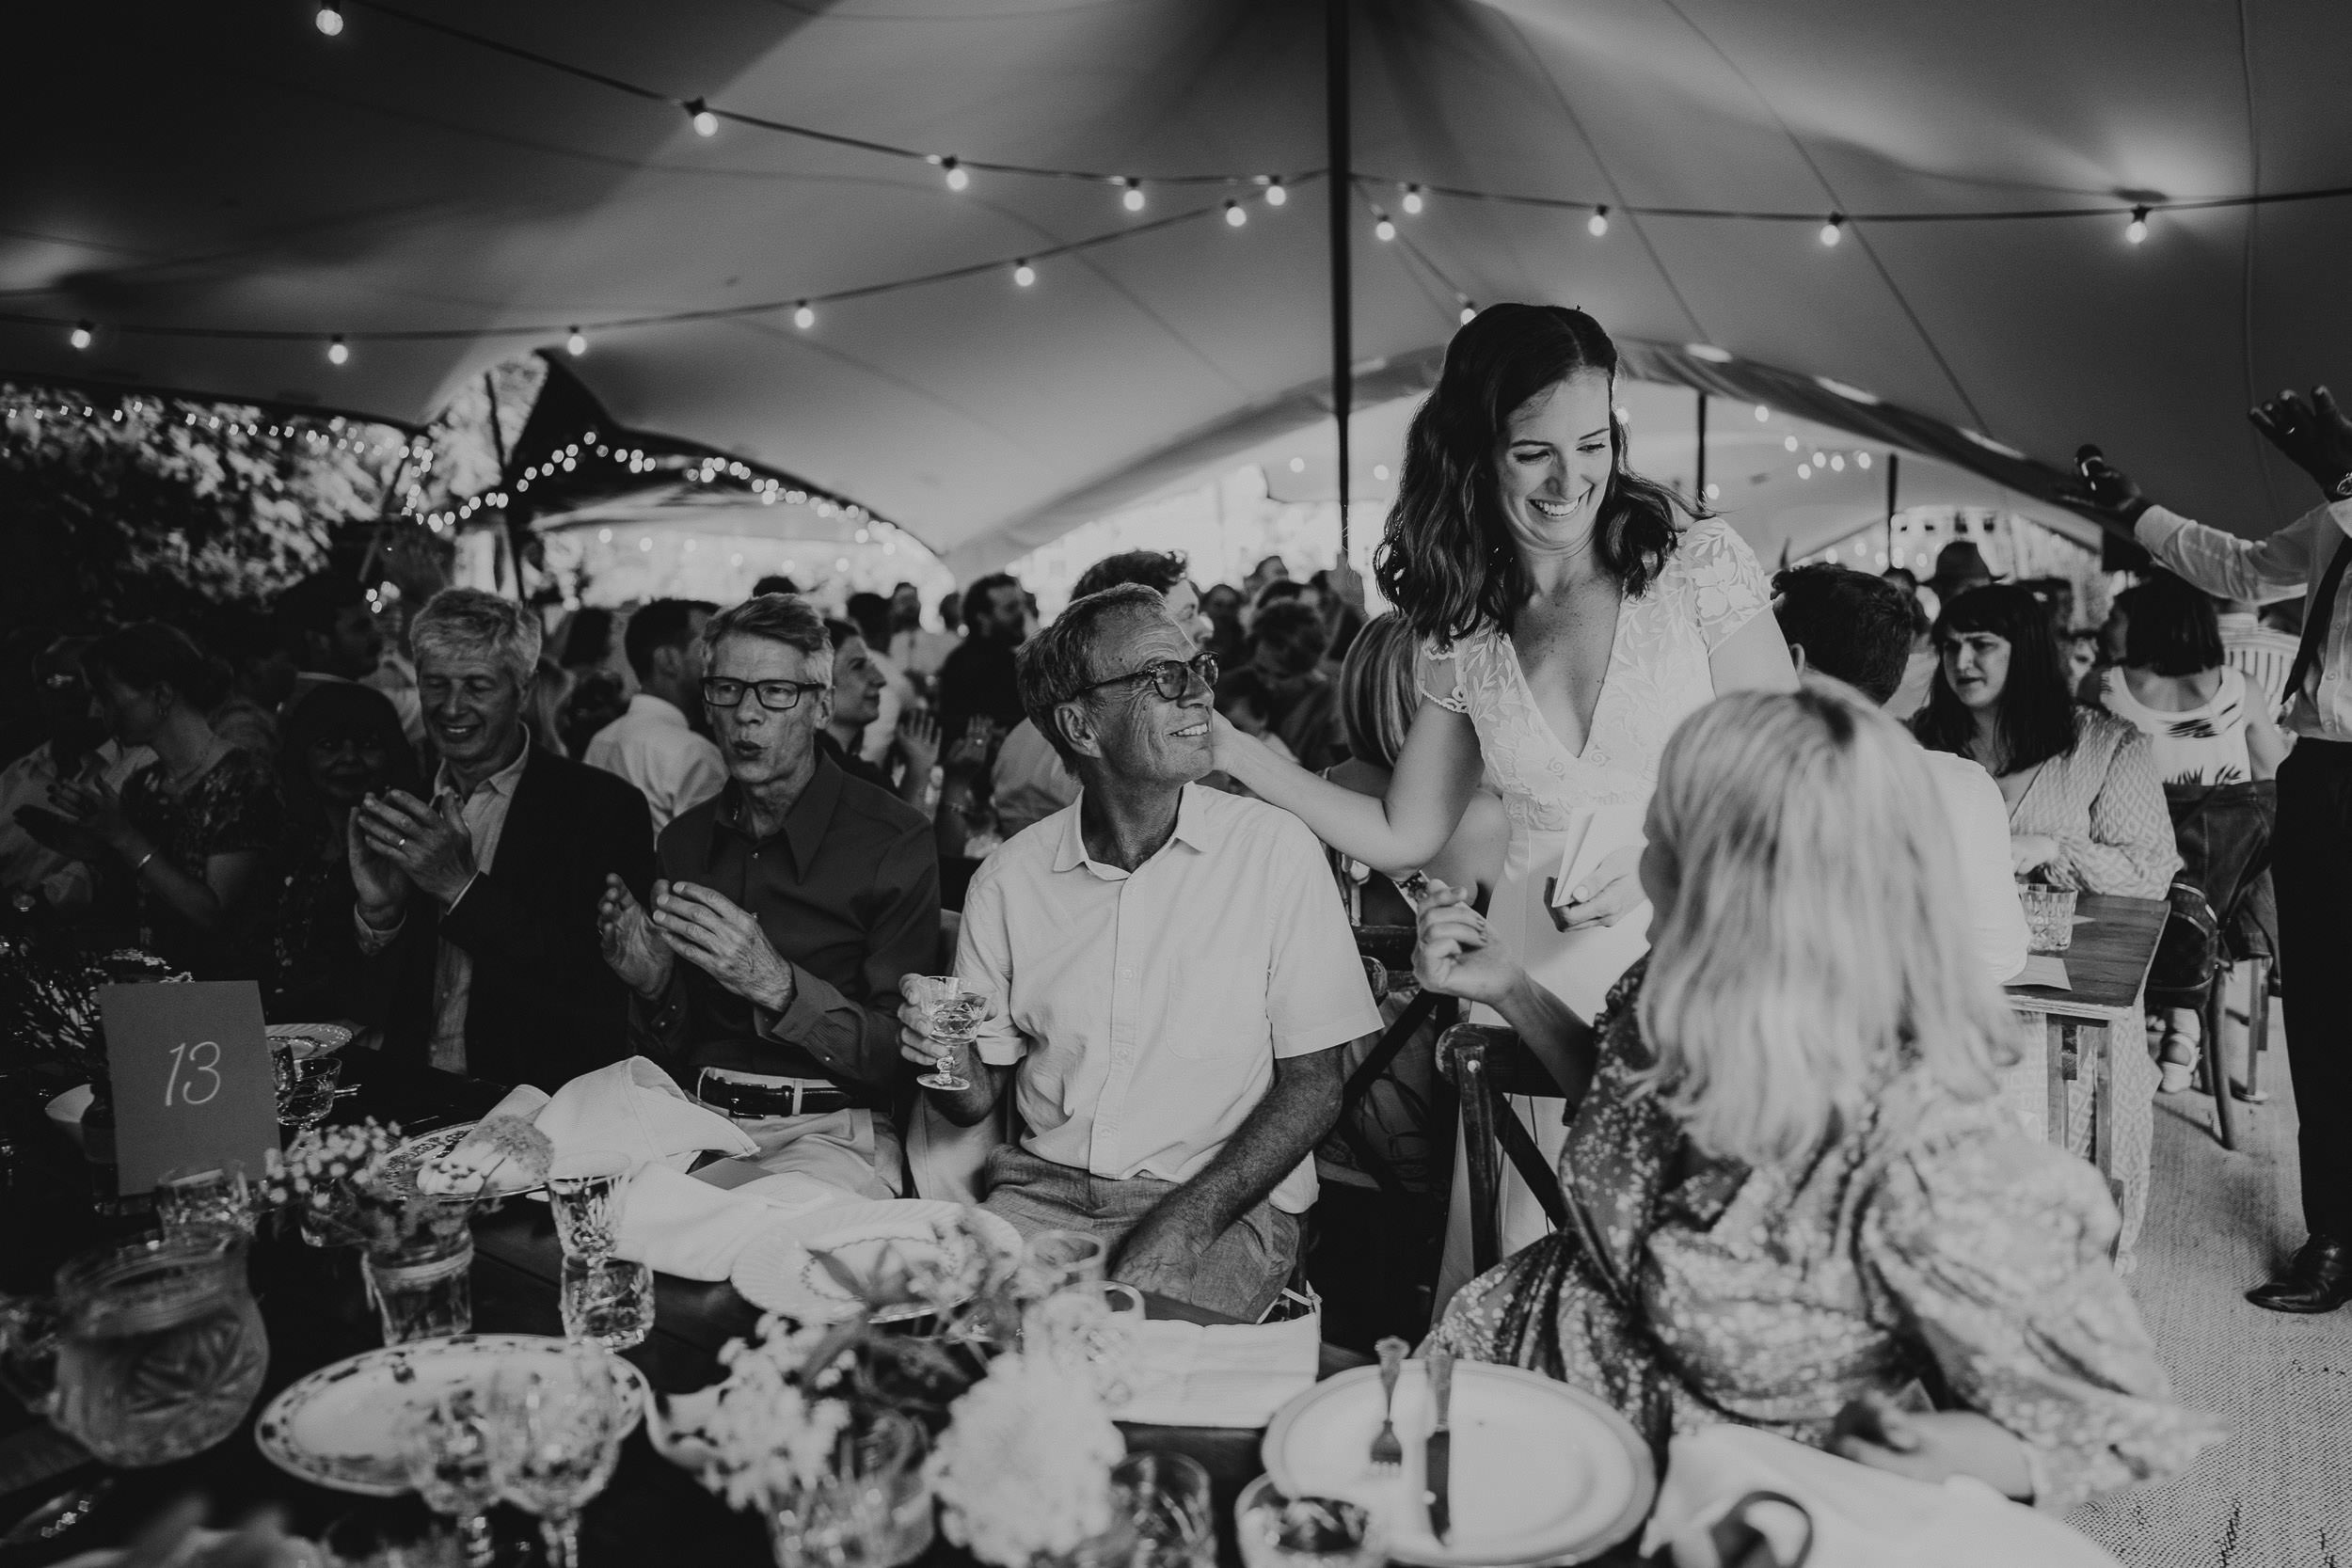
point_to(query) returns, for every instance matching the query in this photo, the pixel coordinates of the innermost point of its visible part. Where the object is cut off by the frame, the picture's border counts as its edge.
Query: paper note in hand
(1593, 834)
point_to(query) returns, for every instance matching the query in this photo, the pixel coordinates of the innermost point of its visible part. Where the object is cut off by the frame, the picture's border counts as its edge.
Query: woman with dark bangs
(2085, 809)
(1570, 612)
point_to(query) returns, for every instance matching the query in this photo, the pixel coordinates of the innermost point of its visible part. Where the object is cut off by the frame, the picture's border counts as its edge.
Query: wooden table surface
(2109, 962)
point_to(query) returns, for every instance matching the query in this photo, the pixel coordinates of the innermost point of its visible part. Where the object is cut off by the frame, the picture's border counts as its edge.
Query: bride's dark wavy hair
(1446, 561)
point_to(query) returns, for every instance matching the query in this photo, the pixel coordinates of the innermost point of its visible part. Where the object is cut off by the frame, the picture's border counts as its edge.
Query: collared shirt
(28, 865)
(483, 811)
(653, 747)
(1030, 782)
(847, 892)
(2263, 653)
(2288, 563)
(1146, 1009)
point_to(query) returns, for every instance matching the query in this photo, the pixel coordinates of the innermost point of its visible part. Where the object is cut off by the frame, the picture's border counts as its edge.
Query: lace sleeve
(1722, 584)
(1439, 680)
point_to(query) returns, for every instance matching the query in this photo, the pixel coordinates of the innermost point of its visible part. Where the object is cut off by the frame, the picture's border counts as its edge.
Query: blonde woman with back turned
(1793, 1195)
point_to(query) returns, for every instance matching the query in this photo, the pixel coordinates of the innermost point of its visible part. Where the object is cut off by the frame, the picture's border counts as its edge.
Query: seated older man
(798, 898)
(1170, 981)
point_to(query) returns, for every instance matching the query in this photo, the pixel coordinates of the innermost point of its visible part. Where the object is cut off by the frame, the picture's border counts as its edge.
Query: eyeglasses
(775, 696)
(1170, 678)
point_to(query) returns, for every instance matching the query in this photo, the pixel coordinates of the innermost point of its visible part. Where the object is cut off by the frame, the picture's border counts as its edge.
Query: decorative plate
(340, 1427)
(1543, 1473)
(306, 1041)
(414, 1154)
(778, 1272)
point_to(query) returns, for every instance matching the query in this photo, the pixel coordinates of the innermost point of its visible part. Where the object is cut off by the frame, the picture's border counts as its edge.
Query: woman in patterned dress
(1571, 613)
(2085, 810)
(1796, 1202)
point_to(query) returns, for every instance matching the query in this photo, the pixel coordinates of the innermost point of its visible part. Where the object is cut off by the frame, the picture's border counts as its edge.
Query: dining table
(316, 1311)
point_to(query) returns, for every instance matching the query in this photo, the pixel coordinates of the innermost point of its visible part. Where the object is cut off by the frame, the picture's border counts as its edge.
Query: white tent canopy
(191, 181)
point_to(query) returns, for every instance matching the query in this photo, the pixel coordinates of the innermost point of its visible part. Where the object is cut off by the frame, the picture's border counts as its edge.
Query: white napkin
(1227, 1375)
(634, 1108)
(475, 1163)
(678, 1225)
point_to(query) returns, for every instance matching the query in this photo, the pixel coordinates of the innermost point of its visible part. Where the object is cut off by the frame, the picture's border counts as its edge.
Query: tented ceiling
(220, 189)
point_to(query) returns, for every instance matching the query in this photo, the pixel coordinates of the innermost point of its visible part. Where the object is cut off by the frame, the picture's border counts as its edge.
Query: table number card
(192, 1081)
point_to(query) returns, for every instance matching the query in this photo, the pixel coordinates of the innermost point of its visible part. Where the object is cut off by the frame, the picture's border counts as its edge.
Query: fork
(1388, 1454)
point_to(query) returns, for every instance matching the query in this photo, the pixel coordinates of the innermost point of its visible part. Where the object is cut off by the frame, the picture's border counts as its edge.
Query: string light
(698, 114)
(1862, 460)
(957, 176)
(2136, 230)
(1383, 229)
(1820, 459)
(577, 344)
(802, 317)
(1805, 470)
(337, 351)
(1132, 200)
(1788, 443)
(1024, 274)
(1275, 194)
(1762, 413)
(329, 21)
(1412, 202)
(1835, 230)
(1837, 462)
(1598, 224)
(1235, 214)
(1470, 313)
(80, 336)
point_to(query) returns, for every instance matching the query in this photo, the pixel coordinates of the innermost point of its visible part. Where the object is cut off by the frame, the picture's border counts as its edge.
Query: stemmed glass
(557, 1433)
(452, 1463)
(951, 1016)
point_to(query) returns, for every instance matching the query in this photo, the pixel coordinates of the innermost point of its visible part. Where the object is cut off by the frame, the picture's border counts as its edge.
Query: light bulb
(705, 122)
(1275, 194)
(80, 336)
(1235, 214)
(329, 20)
(577, 344)
(1380, 472)
(1412, 202)
(1837, 463)
(1470, 313)
(1862, 460)
(2136, 230)
(1024, 274)
(802, 317)
(957, 176)
(1714, 492)
(1384, 230)
(1805, 470)
(1820, 461)
(337, 351)
(1132, 200)
(1835, 230)
(1788, 443)
(1299, 464)
(1762, 413)
(1598, 224)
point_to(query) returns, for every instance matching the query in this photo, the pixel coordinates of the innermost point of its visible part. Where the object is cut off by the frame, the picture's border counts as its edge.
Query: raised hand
(718, 937)
(376, 878)
(2105, 489)
(433, 849)
(94, 806)
(2315, 436)
(632, 947)
(918, 740)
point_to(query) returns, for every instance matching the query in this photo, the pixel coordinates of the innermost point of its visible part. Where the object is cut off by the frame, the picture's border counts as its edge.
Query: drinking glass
(1167, 1495)
(189, 1196)
(1059, 1260)
(453, 1463)
(2049, 917)
(606, 1301)
(557, 1434)
(585, 1191)
(951, 1016)
(871, 1509)
(306, 1088)
(1276, 1531)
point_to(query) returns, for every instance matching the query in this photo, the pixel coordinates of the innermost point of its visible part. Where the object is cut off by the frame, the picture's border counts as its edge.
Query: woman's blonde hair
(1817, 939)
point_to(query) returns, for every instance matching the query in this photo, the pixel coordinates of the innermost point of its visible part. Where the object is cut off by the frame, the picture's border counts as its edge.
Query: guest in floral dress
(2085, 810)
(194, 829)
(1795, 1202)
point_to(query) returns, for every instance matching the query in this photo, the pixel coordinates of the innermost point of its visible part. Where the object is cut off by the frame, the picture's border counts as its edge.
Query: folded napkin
(684, 1226)
(635, 1109)
(1226, 1375)
(478, 1161)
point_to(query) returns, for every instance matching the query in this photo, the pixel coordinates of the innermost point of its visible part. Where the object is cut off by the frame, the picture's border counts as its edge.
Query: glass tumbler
(2049, 917)
(204, 1195)
(585, 1190)
(605, 1300)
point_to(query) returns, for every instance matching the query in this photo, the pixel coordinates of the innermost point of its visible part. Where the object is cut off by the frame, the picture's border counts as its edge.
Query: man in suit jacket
(482, 903)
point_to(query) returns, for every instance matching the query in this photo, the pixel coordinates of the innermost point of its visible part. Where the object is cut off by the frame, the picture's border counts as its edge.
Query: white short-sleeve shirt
(1145, 1009)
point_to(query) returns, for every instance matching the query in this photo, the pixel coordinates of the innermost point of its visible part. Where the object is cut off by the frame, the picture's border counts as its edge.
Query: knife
(1438, 1460)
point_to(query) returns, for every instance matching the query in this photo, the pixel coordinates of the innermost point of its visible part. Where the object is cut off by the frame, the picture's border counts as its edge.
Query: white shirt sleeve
(984, 962)
(2261, 570)
(1979, 821)
(1317, 993)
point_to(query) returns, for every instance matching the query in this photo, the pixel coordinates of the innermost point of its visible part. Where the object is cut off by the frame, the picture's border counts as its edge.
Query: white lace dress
(1659, 672)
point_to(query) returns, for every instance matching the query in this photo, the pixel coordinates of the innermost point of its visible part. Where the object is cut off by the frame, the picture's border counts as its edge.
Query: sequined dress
(1929, 1244)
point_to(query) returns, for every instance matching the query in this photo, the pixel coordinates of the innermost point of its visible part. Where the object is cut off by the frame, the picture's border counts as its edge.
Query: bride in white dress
(1572, 613)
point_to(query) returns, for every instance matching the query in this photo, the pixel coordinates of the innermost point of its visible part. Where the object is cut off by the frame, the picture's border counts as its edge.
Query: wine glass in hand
(951, 1016)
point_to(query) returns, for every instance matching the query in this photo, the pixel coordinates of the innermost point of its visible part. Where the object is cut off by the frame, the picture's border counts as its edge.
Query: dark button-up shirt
(847, 892)
(979, 679)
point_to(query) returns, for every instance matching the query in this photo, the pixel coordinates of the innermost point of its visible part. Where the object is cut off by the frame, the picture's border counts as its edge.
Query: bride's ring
(401, 843)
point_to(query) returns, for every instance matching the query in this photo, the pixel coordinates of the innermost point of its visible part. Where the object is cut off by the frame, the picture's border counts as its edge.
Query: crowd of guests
(1645, 806)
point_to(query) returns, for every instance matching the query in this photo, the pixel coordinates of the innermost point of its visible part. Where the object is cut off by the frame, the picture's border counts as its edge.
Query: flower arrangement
(1023, 1469)
(348, 1186)
(770, 1427)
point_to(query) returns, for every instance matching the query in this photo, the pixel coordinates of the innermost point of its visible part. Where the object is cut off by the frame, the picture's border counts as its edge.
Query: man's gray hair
(1059, 662)
(467, 621)
(785, 618)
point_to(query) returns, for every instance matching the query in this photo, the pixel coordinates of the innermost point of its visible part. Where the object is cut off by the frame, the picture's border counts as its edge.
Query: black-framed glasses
(775, 696)
(1170, 678)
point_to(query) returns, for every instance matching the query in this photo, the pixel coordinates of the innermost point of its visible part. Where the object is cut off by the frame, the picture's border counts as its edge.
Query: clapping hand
(918, 740)
(382, 886)
(433, 849)
(92, 805)
(631, 946)
(979, 735)
(2315, 436)
(718, 937)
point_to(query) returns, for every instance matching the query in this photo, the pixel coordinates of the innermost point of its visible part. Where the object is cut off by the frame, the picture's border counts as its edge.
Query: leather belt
(740, 1095)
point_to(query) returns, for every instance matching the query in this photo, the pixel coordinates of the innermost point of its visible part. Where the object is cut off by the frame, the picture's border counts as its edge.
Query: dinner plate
(340, 1427)
(402, 1165)
(777, 1272)
(306, 1041)
(1542, 1473)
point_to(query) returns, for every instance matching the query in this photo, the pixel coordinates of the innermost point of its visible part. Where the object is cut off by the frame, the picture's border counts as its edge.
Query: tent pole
(1698, 491)
(1894, 472)
(1342, 190)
